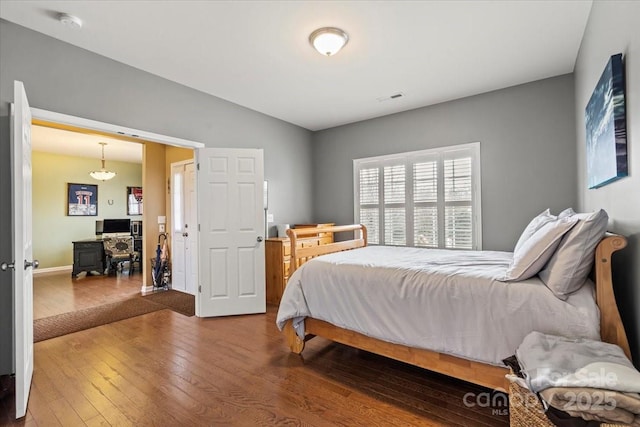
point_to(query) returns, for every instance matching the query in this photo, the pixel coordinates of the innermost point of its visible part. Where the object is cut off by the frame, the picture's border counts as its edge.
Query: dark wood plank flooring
(166, 369)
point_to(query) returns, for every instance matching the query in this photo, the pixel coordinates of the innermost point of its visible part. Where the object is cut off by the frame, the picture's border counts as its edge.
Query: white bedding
(442, 300)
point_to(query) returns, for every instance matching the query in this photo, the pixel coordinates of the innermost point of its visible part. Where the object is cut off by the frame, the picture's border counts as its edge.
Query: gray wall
(613, 28)
(66, 79)
(526, 136)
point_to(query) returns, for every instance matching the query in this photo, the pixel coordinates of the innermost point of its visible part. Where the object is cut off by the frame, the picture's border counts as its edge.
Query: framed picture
(134, 200)
(82, 200)
(605, 119)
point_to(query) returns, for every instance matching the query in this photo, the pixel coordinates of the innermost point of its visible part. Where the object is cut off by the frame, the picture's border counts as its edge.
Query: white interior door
(22, 246)
(231, 249)
(178, 280)
(184, 253)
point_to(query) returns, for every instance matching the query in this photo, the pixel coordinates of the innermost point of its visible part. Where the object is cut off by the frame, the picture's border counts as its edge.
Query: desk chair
(118, 250)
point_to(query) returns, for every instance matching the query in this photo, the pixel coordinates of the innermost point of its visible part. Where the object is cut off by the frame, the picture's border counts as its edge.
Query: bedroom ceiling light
(328, 40)
(102, 174)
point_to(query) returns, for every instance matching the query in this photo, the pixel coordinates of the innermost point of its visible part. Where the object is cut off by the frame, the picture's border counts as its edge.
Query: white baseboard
(39, 271)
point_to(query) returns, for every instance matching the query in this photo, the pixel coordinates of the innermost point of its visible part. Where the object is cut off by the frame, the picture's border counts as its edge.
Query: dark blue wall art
(606, 127)
(82, 200)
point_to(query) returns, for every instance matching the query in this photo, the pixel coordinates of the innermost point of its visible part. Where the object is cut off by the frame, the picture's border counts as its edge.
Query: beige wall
(154, 187)
(53, 230)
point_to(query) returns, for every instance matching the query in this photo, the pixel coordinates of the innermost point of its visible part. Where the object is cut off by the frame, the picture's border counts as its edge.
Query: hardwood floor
(166, 369)
(57, 293)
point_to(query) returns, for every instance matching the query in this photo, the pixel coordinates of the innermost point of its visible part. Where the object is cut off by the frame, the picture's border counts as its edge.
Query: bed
(448, 344)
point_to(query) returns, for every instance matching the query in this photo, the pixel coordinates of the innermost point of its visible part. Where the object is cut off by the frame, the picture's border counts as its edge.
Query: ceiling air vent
(387, 98)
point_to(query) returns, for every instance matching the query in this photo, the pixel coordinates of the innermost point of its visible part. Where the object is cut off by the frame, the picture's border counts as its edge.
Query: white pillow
(536, 251)
(536, 223)
(570, 265)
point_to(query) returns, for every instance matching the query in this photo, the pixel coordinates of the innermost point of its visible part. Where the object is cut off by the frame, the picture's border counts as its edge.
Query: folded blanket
(595, 404)
(552, 361)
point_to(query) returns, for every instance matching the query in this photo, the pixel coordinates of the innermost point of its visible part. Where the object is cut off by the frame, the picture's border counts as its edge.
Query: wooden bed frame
(611, 327)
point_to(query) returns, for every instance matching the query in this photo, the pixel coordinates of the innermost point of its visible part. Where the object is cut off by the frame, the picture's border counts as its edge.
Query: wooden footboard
(612, 329)
(303, 254)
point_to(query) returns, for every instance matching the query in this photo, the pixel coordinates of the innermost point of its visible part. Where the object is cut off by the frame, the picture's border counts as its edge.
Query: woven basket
(525, 409)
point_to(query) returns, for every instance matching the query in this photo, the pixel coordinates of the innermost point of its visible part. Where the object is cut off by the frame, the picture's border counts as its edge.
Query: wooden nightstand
(277, 260)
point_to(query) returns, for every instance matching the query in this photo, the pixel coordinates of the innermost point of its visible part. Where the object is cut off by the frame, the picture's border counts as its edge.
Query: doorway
(67, 241)
(232, 228)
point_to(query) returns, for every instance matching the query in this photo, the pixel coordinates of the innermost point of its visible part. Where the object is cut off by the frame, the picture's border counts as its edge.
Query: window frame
(408, 159)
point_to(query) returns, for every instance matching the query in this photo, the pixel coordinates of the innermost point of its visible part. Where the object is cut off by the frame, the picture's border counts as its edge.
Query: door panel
(246, 272)
(231, 217)
(218, 262)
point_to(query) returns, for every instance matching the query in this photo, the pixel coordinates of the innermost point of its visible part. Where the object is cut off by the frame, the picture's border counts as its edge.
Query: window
(427, 198)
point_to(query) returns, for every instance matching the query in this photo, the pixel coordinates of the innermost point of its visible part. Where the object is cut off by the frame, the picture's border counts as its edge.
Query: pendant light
(102, 174)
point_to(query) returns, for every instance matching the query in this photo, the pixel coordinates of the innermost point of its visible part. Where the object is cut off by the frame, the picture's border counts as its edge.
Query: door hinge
(198, 166)
(198, 227)
(200, 289)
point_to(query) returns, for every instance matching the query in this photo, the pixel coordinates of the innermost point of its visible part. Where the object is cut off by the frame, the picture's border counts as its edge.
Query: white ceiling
(257, 54)
(76, 144)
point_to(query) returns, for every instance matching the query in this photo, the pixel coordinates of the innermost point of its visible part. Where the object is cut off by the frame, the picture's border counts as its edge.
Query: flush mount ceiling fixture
(328, 40)
(103, 174)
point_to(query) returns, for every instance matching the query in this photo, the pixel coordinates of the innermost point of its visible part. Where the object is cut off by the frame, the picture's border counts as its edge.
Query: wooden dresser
(277, 262)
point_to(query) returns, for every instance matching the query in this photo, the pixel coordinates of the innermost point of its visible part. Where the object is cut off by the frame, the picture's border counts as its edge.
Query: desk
(88, 255)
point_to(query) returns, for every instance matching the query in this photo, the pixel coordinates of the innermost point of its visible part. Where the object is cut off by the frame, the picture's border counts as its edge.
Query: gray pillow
(538, 249)
(570, 265)
(536, 223)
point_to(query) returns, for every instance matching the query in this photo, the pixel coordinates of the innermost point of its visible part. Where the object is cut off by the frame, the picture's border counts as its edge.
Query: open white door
(22, 246)
(231, 250)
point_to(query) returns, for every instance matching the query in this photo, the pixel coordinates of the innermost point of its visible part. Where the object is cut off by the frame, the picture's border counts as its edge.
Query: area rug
(67, 323)
(175, 300)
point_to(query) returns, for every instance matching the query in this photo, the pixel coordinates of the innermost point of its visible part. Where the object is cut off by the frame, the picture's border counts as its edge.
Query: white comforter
(442, 300)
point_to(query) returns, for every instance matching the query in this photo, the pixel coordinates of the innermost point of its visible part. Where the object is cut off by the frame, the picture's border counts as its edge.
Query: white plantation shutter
(429, 198)
(369, 207)
(395, 230)
(425, 203)
(458, 199)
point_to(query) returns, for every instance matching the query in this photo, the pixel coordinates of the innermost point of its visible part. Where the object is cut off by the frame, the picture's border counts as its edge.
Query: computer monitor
(116, 226)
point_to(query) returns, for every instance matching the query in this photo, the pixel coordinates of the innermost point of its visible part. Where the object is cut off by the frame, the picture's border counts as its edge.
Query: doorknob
(259, 239)
(185, 234)
(4, 266)
(33, 264)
